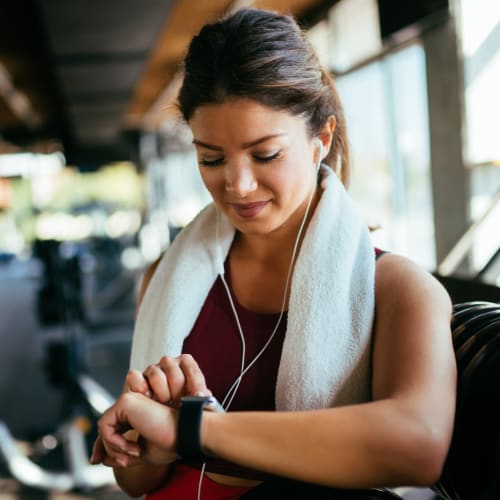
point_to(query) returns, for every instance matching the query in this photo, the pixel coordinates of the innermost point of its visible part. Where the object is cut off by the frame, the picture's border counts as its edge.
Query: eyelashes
(211, 163)
(259, 159)
(267, 159)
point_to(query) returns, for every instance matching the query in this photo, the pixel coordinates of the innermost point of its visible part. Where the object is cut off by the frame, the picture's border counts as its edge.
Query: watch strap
(188, 427)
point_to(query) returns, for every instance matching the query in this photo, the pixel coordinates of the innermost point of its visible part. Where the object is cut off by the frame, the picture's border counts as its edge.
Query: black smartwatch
(189, 423)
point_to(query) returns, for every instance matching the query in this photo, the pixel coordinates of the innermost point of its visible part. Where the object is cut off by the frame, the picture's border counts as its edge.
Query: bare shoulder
(400, 282)
(412, 334)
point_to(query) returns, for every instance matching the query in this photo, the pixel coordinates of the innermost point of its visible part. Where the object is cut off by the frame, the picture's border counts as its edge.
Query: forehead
(243, 119)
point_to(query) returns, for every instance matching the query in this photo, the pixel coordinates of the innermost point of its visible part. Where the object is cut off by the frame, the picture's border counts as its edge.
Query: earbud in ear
(318, 142)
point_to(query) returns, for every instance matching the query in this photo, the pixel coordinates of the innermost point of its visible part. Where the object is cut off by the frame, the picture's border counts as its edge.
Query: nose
(240, 179)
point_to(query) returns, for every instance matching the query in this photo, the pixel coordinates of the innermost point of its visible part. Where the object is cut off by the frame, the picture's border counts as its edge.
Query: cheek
(292, 180)
(211, 180)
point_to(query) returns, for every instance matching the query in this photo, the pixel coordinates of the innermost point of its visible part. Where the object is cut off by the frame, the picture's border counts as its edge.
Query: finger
(195, 380)
(111, 462)
(98, 451)
(158, 382)
(123, 462)
(115, 445)
(175, 377)
(117, 460)
(114, 456)
(131, 448)
(136, 382)
(113, 423)
(129, 455)
(120, 457)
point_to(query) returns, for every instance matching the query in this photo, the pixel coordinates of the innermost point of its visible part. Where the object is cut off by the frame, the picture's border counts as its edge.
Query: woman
(267, 300)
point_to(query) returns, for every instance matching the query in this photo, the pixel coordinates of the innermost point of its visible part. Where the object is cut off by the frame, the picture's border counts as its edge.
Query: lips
(247, 210)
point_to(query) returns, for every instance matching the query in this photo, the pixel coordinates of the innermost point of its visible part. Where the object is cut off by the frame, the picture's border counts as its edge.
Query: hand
(169, 380)
(166, 382)
(155, 423)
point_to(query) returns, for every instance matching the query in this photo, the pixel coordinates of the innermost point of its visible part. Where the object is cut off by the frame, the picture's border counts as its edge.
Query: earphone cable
(236, 383)
(231, 393)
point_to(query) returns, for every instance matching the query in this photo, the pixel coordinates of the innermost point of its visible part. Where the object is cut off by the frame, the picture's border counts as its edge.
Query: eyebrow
(244, 145)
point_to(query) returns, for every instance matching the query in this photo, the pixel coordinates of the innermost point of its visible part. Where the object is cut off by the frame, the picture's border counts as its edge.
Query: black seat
(467, 305)
(472, 469)
(475, 341)
(470, 324)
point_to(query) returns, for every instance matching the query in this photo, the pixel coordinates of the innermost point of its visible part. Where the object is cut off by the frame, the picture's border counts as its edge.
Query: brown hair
(264, 56)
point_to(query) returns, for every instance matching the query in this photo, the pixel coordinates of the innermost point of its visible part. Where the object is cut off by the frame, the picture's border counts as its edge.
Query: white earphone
(321, 151)
(219, 259)
(219, 263)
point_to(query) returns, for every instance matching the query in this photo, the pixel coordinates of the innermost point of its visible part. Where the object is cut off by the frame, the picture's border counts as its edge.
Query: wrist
(207, 432)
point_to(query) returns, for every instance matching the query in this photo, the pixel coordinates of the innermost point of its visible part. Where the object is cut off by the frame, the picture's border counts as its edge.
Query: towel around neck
(326, 357)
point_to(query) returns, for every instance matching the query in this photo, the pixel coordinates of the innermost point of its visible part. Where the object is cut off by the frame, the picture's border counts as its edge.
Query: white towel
(326, 353)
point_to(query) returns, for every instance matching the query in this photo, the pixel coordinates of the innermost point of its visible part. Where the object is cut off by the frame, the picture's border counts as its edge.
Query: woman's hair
(264, 56)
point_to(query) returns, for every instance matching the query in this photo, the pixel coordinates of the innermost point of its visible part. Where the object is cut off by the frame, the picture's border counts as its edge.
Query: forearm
(369, 445)
(138, 480)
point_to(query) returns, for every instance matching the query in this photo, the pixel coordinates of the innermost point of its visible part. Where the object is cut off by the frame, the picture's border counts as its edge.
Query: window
(479, 26)
(479, 32)
(386, 110)
(354, 33)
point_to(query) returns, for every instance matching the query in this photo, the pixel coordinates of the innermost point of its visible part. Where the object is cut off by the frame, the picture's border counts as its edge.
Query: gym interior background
(97, 176)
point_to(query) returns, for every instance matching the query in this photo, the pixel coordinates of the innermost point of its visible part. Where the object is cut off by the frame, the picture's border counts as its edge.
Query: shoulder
(400, 283)
(412, 334)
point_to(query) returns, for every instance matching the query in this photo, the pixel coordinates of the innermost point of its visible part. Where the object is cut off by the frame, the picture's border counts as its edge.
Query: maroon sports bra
(216, 345)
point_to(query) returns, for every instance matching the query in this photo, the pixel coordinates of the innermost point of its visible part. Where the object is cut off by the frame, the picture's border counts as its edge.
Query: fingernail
(148, 394)
(121, 463)
(92, 458)
(134, 453)
(203, 393)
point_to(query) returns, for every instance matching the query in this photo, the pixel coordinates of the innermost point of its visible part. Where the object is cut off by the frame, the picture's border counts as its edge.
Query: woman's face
(257, 163)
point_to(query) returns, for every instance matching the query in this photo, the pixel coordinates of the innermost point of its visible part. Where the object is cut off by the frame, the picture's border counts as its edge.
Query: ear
(326, 134)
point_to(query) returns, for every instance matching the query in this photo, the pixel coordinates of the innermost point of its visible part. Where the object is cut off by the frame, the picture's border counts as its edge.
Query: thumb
(98, 451)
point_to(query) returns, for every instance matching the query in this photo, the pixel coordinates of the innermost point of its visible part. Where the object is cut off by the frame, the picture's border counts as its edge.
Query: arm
(401, 437)
(142, 477)
(147, 409)
(145, 468)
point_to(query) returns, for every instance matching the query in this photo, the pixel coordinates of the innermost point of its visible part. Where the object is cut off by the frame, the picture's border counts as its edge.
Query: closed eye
(266, 159)
(211, 163)
(219, 161)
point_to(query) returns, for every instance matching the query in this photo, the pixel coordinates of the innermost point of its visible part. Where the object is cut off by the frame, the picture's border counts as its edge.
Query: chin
(256, 228)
